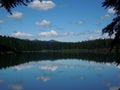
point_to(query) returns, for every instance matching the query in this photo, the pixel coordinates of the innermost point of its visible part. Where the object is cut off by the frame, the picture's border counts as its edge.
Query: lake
(50, 72)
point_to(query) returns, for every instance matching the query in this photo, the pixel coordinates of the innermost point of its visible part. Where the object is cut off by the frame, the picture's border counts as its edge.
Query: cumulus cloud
(111, 11)
(89, 32)
(93, 37)
(43, 23)
(51, 33)
(43, 78)
(44, 34)
(16, 15)
(69, 33)
(1, 21)
(79, 22)
(44, 5)
(98, 32)
(22, 35)
(106, 16)
(94, 34)
(107, 36)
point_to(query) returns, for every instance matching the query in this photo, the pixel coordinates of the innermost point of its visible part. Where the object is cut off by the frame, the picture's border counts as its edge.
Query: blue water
(65, 74)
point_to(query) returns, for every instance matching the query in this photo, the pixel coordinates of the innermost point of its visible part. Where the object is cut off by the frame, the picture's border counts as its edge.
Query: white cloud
(44, 34)
(91, 38)
(105, 16)
(69, 33)
(43, 78)
(111, 11)
(16, 15)
(80, 22)
(44, 5)
(51, 33)
(98, 32)
(1, 21)
(43, 23)
(90, 32)
(107, 36)
(22, 35)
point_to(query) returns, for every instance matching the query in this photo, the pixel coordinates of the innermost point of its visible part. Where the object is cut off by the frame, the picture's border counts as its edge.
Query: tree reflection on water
(12, 60)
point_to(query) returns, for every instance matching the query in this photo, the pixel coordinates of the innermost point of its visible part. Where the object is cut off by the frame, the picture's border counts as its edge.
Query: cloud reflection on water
(22, 67)
(17, 86)
(99, 68)
(49, 67)
(63, 70)
(53, 66)
(107, 83)
(2, 81)
(80, 77)
(43, 78)
(114, 88)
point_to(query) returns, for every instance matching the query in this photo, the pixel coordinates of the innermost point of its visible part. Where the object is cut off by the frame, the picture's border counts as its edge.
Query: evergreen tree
(114, 27)
(9, 4)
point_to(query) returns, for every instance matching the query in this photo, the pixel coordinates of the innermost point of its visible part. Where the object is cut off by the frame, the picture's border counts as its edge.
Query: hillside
(18, 45)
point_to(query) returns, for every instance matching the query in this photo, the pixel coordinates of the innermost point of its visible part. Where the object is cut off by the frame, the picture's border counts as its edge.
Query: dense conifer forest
(10, 44)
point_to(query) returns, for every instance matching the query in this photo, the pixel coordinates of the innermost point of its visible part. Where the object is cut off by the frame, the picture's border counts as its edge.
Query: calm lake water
(60, 74)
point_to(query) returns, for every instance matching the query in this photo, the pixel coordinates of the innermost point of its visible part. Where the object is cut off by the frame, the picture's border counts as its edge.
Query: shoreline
(97, 51)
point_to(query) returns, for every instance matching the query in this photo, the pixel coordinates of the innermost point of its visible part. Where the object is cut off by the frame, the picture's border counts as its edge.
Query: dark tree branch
(9, 4)
(114, 27)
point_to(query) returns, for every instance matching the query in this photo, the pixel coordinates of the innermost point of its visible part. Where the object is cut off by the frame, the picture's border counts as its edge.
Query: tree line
(19, 45)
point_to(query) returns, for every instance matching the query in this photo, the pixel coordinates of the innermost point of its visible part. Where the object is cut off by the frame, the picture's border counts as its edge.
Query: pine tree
(9, 4)
(114, 27)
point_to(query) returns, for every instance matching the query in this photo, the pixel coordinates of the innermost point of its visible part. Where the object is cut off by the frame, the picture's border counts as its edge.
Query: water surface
(61, 74)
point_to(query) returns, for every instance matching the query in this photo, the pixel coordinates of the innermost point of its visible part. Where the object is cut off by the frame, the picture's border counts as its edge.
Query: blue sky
(62, 20)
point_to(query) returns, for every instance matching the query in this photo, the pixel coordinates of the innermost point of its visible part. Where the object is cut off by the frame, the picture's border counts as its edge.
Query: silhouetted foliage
(114, 27)
(12, 60)
(9, 4)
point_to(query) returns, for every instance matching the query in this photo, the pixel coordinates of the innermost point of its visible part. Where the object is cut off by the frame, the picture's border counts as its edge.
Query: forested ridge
(19, 45)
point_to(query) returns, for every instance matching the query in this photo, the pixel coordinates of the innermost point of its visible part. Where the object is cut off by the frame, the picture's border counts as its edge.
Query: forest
(15, 45)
